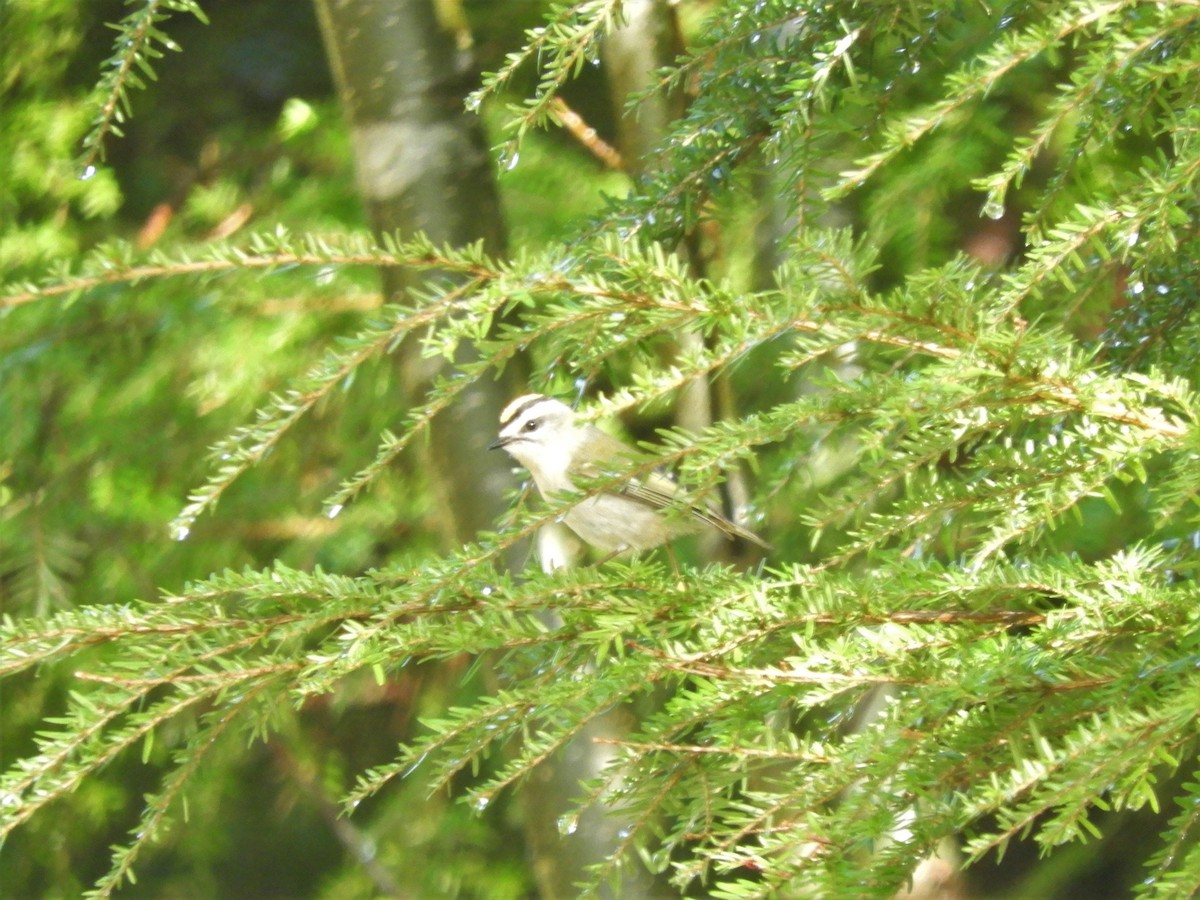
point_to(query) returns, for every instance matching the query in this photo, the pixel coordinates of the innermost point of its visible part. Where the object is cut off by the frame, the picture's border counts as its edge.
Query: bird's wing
(607, 456)
(659, 491)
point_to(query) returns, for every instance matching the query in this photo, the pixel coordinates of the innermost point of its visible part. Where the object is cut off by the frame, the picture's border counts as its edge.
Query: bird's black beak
(497, 443)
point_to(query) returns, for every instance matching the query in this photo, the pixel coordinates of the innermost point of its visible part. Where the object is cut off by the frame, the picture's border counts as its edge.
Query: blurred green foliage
(980, 341)
(110, 398)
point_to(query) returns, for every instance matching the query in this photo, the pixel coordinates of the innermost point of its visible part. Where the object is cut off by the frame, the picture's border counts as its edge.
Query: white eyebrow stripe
(515, 409)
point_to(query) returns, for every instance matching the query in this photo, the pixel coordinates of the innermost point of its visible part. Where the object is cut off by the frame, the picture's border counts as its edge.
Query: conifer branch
(985, 508)
(138, 41)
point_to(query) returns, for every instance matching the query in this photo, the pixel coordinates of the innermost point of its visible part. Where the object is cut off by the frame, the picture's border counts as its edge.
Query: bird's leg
(606, 557)
(674, 567)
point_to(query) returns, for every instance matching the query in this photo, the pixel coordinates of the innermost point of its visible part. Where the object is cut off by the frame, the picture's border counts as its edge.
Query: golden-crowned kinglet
(541, 434)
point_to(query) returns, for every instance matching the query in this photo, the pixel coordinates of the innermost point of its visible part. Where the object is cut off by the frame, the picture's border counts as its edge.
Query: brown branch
(586, 135)
(118, 274)
(700, 750)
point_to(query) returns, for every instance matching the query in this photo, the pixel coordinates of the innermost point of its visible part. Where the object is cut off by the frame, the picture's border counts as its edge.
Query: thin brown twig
(586, 135)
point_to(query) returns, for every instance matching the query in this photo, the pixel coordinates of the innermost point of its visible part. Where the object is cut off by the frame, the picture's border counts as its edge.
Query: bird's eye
(532, 425)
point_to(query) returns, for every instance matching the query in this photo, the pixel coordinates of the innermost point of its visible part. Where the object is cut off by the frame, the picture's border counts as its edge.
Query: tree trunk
(423, 166)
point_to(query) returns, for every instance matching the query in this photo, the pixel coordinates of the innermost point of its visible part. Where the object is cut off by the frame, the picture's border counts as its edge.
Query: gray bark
(647, 40)
(423, 166)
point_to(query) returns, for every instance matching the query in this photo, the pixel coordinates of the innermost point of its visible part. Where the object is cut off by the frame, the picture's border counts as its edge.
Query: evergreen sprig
(943, 648)
(1033, 430)
(140, 40)
(561, 48)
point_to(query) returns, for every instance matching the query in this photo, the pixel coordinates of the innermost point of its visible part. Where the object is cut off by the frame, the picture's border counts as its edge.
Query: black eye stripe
(516, 413)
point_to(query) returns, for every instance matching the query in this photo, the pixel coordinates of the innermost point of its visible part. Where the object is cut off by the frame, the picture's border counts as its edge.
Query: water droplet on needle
(993, 209)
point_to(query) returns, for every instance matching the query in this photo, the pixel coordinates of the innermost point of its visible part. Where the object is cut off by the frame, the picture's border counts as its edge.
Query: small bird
(541, 434)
